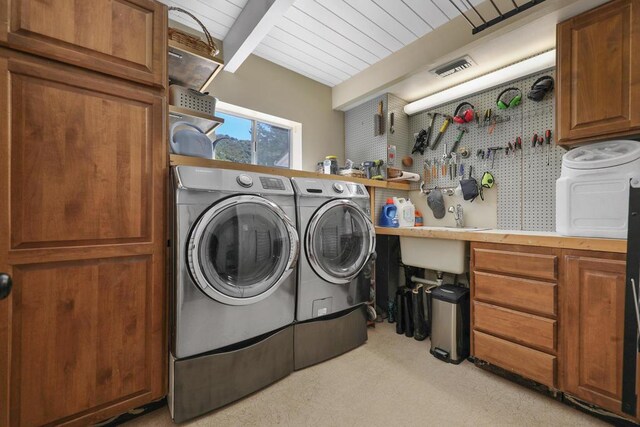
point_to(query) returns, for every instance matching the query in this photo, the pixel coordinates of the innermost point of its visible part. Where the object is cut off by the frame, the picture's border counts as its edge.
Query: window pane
(272, 145)
(236, 145)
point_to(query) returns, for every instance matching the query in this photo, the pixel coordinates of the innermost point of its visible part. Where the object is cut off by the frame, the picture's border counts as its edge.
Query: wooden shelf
(177, 160)
(190, 68)
(204, 121)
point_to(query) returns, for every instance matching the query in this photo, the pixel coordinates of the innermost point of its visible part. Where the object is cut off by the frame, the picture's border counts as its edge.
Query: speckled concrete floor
(390, 381)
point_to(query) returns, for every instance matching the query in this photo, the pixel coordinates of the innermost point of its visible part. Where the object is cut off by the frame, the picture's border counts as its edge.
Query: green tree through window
(237, 141)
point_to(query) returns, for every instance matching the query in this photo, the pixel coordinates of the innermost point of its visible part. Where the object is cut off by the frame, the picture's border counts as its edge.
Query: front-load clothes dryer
(235, 250)
(335, 268)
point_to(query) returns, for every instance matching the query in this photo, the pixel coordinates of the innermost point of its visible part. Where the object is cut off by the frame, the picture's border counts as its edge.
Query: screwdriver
(534, 140)
(547, 139)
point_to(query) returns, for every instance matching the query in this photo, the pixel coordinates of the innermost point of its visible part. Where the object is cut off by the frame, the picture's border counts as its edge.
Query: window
(256, 138)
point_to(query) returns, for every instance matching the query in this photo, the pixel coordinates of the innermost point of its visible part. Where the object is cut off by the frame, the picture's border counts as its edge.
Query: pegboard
(524, 182)
(360, 143)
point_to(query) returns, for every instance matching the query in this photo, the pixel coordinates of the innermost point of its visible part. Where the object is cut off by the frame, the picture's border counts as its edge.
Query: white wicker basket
(192, 99)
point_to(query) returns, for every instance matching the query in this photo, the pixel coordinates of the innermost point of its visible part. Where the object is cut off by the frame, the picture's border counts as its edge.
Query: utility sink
(449, 256)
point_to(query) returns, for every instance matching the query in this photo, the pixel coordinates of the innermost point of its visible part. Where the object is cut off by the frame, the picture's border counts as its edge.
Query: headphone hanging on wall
(465, 116)
(541, 88)
(504, 102)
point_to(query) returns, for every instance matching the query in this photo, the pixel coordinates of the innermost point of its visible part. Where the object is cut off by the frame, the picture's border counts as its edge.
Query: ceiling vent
(453, 67)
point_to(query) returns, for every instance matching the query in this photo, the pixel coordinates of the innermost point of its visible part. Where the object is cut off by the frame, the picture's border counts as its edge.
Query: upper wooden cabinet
(123, 38)
(598, 87)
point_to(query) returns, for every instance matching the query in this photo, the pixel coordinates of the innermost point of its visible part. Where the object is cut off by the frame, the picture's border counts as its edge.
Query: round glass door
(241, 249)
(340, 240)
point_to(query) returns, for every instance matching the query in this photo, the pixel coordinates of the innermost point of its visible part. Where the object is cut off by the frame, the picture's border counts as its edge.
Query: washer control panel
(244, 180)
(270, 183)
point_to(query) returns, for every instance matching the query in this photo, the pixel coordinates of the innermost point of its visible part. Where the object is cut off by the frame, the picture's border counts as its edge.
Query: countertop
(511, 237)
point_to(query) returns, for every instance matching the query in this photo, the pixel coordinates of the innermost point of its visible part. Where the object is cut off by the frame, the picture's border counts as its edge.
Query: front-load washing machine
(235, 250)
(335, 268)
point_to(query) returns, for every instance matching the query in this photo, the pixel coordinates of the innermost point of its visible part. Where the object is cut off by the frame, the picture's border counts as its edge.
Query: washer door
(339, 241)
(242, 249)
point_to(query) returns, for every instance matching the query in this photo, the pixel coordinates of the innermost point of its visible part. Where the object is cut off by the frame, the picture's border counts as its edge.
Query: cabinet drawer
(539, 266)
(529, 363)
(526, 329)
(528, 295)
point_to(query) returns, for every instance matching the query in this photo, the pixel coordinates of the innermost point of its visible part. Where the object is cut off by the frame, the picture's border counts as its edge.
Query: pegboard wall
(360, 142)
(361, 145)
(525, 180)
(525, 183)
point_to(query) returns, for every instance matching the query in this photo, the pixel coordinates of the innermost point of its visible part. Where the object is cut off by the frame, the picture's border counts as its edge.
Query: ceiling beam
(253, 24)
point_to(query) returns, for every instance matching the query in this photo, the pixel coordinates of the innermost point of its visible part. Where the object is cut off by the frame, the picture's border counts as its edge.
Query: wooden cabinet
(598, 87)
(593, 321)
(553, 316)
(514, 309)
(124, 38)
(82, 233)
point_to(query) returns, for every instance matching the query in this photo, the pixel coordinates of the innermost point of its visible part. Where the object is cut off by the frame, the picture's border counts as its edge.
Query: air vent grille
(453, 67)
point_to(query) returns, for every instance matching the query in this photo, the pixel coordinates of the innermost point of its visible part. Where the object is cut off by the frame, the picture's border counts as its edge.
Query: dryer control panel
(308, 187)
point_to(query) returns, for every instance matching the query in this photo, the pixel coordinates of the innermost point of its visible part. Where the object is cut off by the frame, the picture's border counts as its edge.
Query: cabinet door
(124, 38)
(598, 88)
(81, 233)
(593, 325)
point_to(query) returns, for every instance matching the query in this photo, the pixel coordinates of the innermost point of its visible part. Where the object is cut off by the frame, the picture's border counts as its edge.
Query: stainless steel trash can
(450, 323)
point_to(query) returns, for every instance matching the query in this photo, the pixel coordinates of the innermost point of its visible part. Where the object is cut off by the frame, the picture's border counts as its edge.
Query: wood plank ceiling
(217, 15)
(331, 40)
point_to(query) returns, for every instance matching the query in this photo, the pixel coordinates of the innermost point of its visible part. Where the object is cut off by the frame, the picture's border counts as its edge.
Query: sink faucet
(458, 214)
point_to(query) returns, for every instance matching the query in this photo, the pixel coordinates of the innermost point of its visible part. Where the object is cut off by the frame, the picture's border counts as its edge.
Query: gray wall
(263, 86)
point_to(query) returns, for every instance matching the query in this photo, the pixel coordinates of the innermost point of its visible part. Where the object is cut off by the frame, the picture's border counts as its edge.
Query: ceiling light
(502, 76)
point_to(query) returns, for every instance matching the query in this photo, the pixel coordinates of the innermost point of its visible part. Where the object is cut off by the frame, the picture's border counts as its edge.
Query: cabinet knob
(5, 285)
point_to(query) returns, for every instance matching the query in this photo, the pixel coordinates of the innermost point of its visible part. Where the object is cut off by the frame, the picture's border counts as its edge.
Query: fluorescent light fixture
(496, 78)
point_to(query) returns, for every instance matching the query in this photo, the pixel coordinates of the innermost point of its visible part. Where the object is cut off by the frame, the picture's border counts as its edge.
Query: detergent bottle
(406, 212)
(419, 219)
(389, 215)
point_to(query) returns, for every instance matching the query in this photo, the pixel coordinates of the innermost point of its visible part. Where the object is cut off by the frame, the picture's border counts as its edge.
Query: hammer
(462, 130)
(443, 129)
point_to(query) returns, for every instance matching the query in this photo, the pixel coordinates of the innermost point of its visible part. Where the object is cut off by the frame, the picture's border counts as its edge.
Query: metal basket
(185, 97)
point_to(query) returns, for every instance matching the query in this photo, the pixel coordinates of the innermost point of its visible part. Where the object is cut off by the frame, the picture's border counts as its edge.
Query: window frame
(295, 131)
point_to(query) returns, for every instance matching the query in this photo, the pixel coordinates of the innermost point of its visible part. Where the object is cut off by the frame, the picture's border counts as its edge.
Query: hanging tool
(534, 140)
(547, 139)
(480, 154)
(509, 148)
(378, 128)
(444, 168)
(462, 130)
(430, 129)
(454, 158)
(492, 154)
(487, 117)
(461, 170)
(443, 129)
(434, 169)
(470, 171)
(426, 171)
(421, 142)
(518, 144)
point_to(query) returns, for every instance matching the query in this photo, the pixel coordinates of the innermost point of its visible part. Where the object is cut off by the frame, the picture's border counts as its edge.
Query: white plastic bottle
(406, 212)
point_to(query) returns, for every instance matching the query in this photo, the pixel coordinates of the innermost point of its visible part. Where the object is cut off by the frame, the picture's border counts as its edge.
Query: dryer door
(339, 241)
(241, 249)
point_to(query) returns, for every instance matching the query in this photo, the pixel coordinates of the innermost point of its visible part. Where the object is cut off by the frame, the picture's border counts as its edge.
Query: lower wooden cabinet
(567, 333)
(593, 294)
(82, 234)
(514, 309)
